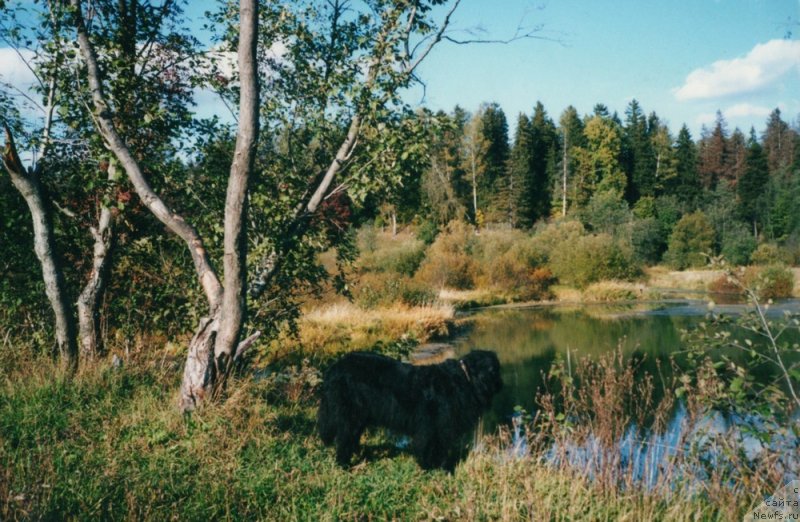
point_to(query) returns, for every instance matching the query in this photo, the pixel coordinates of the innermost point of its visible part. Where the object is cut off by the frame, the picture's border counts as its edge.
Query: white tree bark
(28, 184)
(89, 300)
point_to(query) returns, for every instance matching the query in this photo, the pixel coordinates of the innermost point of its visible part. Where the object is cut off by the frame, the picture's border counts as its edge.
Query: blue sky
(662, 53)
(684, 59)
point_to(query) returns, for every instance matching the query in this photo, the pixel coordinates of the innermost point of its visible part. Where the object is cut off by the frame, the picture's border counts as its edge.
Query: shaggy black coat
(436, 405)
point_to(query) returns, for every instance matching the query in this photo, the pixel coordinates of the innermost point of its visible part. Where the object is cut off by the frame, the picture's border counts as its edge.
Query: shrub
(647, 240)
(514, 274)
(376, 289)
(770, 253)
(593, 258)
(606, 211)
(547, 236)
(691, 241)
(771, 282)
(724, 290)
(427, 231)
(738, 244)
(399, 255)
(449, 261)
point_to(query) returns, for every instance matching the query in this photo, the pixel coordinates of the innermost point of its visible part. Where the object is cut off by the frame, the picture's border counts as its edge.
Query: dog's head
(483, 369)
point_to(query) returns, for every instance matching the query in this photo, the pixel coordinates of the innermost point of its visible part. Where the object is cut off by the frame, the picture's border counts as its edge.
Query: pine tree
(686, 183)
(495, 132)
(571, 134)
(713, 153)
(519, 175)
(544, 150)
(779, 144)
(637, 156)
(752, 187)
(736, 160)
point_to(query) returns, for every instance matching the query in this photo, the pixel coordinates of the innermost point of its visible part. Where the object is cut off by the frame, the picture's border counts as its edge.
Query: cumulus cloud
(739, 111)
(764, 65)
(13, 69)
(745, 110)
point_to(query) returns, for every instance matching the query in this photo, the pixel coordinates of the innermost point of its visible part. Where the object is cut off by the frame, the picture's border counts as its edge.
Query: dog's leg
(347, 439)
(426, 448)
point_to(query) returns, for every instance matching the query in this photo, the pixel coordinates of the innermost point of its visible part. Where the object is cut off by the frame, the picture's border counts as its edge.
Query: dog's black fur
(436, 405)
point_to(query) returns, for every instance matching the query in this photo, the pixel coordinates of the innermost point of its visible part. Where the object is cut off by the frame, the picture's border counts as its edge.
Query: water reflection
(528, 341)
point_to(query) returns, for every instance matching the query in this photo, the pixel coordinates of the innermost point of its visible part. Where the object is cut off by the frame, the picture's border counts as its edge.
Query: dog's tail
(326, 416)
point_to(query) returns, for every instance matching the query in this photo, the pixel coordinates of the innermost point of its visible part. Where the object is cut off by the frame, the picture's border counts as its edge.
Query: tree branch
(173, 221)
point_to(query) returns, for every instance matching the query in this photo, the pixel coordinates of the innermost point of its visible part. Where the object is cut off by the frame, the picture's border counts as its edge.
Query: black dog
(435, 405)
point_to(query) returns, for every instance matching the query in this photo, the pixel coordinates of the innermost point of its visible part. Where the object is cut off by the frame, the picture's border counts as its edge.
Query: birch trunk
(28, 184)
(234, 298)
(91, 341)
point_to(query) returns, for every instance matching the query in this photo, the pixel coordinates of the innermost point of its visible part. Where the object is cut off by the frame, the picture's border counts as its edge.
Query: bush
(770, 253)
(771, 282)
(399, 255)
(547, 236)
(427, 231)
(647, 240)
(691, 241)
(738, 244)
(593, 258)
(724, 290)
(449, 261)
(606, 212)
(375, 289)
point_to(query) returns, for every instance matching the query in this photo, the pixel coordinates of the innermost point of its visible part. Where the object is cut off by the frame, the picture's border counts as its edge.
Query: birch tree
(383, 45)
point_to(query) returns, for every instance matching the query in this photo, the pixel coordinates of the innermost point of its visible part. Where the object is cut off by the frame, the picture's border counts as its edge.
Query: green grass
(109, 444)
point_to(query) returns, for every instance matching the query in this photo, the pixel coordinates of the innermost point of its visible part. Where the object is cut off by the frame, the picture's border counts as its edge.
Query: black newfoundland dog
(436, 405)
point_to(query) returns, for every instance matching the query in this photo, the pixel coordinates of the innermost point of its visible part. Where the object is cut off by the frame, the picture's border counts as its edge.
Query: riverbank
(107, 445)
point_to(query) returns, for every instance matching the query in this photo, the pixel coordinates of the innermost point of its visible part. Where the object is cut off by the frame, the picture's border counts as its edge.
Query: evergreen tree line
(628, 176)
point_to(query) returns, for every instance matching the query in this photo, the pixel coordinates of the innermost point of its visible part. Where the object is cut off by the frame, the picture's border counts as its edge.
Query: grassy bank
(109, 444)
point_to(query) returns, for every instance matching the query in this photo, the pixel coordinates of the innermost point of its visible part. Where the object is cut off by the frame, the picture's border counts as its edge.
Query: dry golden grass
(567, 294)
(612, 291)
(475, 297)
(662, 277)
(344, 326)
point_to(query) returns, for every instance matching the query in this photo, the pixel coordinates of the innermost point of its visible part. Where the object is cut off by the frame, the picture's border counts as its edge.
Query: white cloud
(764, 65)
(741, 111)
(13, 69)
(746, 110)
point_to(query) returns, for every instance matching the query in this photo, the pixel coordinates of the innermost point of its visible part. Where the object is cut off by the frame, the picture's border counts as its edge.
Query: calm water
(528, 340)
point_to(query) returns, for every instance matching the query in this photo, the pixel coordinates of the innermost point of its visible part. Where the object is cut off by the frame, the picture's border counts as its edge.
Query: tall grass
(109, 445)
(620, 431)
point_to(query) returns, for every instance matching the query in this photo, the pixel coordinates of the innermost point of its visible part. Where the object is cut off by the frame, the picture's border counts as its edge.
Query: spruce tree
(544, 150)
(752, 187)
(686, 183)
(519, 175)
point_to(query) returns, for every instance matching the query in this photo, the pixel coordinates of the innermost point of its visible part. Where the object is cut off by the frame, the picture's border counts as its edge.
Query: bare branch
(436, 39)
(244, 345)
